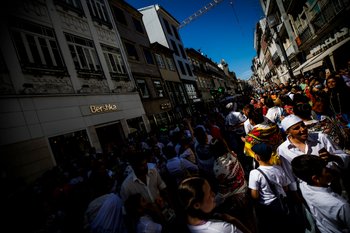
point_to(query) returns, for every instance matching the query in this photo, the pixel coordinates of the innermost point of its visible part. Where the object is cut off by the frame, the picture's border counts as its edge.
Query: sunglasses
(318, 86)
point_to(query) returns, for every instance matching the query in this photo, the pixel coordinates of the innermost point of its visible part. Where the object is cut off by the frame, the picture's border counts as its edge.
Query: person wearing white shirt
(268, 184)
(275, 114)
(142, 180)
(178, 167)
(198, 201)
(234, 123)
(331, 211)
(246, 110)
(299, 141)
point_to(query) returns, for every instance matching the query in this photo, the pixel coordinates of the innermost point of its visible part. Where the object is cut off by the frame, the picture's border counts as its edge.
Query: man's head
(294, 126)
(247, 109)
(312, 169)
(138, 162)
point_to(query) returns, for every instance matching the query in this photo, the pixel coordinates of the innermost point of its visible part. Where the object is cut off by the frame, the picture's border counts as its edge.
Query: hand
(328, 157)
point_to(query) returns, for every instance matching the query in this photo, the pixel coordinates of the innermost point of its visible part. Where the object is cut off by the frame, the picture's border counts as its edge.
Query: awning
(318, 61)
(312, 66)
(300, 68)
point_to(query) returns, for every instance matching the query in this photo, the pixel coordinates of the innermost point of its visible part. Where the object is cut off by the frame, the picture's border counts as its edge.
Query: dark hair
(256, 116)
(135, 158)
(248, 107)
(269, 102)
(302, 110)
(169, 151)
(305, 166)
(190, 192)
(218, 147)
(299, 98)
(200, 134)
(263, 150)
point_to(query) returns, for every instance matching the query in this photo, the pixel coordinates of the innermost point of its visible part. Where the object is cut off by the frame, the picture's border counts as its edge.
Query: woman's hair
(305, 166)
(190, 192)
(200, 134)
(339, 81)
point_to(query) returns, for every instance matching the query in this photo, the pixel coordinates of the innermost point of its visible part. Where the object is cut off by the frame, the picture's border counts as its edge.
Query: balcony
(305, 35)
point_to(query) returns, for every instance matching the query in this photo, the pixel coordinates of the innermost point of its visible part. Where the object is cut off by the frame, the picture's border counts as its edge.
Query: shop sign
(103, 108)
(339, 36)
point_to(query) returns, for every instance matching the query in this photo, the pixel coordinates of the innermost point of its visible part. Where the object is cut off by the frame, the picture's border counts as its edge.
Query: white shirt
(101, 210)
(276, 176)
(247, 126)
(147, 225)
(234, 118)
(274, 114)
(150, 191)
(315, 141)
(214, 226)
(177, 165)
(188, 154)
(331, 211)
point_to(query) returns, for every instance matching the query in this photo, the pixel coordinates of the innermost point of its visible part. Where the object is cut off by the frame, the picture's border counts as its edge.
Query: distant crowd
(276, 161)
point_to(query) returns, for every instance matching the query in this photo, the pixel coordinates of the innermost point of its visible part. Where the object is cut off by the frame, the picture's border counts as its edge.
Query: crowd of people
(277, 161)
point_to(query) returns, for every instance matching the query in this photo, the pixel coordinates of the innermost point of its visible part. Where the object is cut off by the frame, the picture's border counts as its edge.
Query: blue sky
(224, 32)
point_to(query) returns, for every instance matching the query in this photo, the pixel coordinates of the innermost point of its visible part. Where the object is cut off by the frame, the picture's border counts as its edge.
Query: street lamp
(272, 22)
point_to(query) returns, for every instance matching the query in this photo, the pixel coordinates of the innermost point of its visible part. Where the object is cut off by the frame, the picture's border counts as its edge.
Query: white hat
(229, 105)
(289, 121)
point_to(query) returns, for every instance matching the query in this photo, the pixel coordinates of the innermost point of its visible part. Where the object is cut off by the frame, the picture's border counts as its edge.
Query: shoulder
(284, 146)
(254, 174)
(277, 169)
(129, 179)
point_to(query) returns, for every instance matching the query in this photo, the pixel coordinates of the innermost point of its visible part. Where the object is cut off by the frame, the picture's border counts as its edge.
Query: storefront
(45, 131)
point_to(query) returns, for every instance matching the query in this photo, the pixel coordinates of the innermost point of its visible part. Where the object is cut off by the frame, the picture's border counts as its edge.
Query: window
(119, 15)
(83, 53)
(159, 88)
(115, 62)
(98, 10)
(183, 54)
(131, 50)
(36, 46)
(182, 68)
(138, 25)
(167, 26)
(160, 61)
(189, 71)
(179, 93)
(143, 88)
(191, 91)
(74, 5)
(170, 63)
(148, 56)
(175, 32)
(173, 44)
